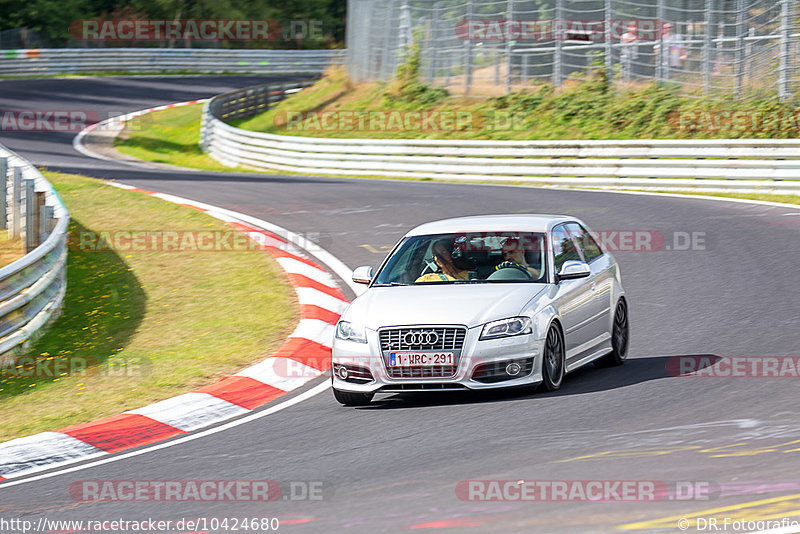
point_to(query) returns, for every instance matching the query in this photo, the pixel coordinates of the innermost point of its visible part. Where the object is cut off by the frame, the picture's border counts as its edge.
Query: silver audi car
(481, 302)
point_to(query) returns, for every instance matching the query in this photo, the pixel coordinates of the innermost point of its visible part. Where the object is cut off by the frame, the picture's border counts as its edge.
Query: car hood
(467, 304)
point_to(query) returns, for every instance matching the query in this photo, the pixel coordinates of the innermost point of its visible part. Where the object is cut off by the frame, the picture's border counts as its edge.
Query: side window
(588, 245)
(563, 247)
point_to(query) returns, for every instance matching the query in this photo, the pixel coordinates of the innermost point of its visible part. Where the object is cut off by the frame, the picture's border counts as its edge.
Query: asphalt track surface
(395, 465)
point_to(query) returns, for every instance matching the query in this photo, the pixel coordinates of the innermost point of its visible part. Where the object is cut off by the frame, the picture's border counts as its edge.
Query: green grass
(146, 325)
(169, 136)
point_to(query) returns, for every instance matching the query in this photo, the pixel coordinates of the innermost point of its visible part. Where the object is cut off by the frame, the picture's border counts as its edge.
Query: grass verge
(10, 249)
(138, 327)
(168, 136)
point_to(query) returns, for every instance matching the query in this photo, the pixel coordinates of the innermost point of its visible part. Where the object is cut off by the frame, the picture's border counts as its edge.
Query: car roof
(492, 223)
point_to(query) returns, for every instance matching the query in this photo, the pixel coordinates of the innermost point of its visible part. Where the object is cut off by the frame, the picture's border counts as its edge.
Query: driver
(444, 261)
(514, 256)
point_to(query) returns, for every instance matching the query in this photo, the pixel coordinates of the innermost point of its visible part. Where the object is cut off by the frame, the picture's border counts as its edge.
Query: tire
(620, 338)
(353, 399)
(553, 360)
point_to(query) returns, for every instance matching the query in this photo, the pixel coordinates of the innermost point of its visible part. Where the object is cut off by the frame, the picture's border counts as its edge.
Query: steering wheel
(514, 265)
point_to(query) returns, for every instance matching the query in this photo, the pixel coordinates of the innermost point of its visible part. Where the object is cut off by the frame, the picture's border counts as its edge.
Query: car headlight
(349, 332)
(513, 326)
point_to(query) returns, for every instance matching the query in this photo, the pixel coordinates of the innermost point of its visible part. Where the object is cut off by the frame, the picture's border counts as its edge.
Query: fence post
(16, 204)
(557, 74)
(784, 92)
(405, 39)
(661, 52)
(739, 57)
(509, 44)
(707, 48)
(434, 41)
(386, 70)
(607, 36)
(30, 227)
(3, 193)
(468, 52)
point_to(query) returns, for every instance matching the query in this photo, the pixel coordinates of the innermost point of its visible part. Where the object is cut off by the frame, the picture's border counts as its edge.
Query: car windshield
(476, 257)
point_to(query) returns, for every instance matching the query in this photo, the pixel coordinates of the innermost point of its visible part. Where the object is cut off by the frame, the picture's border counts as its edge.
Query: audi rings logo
(421, 337)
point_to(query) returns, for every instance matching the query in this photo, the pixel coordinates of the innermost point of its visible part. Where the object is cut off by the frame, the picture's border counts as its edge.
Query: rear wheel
(553, 360)
(620, 335)
(352, 399)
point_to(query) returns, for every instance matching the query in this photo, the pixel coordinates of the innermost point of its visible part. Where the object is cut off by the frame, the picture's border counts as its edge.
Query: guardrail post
(3, 193)
(16, 204)
(40, 197)
(30, 227)
(46, 215)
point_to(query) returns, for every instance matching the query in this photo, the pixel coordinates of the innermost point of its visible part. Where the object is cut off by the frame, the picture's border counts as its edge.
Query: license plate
(421, 359)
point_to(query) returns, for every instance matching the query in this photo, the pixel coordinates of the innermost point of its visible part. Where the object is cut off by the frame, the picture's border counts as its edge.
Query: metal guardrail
(745, 165)
(243, 103)
(31, 288)
(49, 61)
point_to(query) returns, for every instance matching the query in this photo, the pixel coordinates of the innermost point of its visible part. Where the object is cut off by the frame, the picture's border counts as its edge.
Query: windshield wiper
(390, 284)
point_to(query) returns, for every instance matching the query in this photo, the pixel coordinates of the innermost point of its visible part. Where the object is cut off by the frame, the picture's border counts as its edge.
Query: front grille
(490, 373)
(447, 338)
(422, 338)
(436, 371)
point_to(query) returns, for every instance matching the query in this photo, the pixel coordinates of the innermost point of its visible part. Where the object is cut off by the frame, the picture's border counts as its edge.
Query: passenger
(448, 270)
(514, 256)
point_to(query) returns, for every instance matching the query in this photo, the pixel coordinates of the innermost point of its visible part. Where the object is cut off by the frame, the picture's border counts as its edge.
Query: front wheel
(352, 399)
(620, 335)
(553, 360)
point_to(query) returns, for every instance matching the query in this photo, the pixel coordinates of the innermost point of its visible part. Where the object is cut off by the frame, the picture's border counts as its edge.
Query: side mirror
(362, 275)
(573, 269)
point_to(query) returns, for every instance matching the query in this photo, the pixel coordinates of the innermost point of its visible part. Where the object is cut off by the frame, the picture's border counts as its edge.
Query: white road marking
(316, 390)
(191, 411)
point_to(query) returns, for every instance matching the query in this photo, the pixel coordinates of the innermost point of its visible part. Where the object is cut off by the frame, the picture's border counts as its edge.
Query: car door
(601, 283)
(573, 297)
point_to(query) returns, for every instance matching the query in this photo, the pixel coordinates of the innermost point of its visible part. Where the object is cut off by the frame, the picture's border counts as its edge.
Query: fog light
(513, 369)
(341, 372)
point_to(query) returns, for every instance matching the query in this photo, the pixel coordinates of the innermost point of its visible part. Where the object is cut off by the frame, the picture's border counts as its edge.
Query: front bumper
(481, 365)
